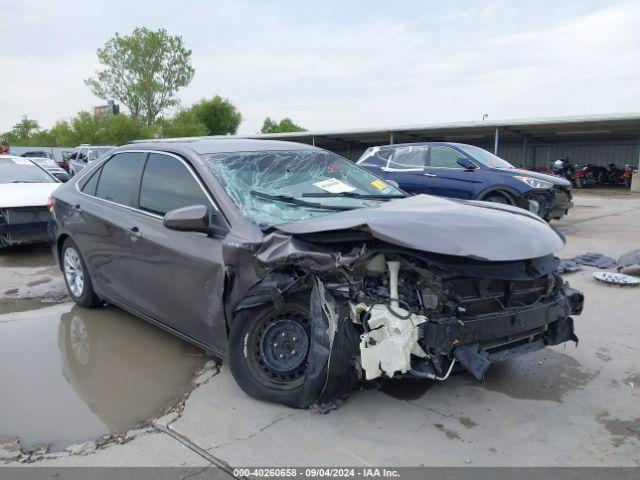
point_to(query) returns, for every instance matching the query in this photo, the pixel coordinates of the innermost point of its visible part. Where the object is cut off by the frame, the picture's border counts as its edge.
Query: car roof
(423, 144)
(86, 145)
(42, 158)
(221, 145)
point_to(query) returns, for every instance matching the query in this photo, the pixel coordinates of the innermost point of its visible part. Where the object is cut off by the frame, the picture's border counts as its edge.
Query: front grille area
(479, 296)
(16, 216)
(562, 196)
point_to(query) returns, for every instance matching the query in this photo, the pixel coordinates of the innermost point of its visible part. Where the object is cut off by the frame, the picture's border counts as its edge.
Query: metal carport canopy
(552, 130)
(546, 130)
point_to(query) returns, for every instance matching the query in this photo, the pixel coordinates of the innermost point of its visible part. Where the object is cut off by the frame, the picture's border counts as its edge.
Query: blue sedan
(468, 172)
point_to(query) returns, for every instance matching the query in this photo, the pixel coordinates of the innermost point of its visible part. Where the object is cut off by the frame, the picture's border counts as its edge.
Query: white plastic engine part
(388, 347)
(394, 270)
(393, 334)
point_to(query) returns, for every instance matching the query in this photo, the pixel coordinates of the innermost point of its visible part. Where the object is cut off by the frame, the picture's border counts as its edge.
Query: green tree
(22, 132)
(86, 129)
(285, 125)
(63, 135)
(219, 116)
(184, 124)
(143, 71)
(120, 129)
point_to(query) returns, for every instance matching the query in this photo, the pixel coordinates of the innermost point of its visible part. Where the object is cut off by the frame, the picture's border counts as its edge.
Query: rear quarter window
(90, 185)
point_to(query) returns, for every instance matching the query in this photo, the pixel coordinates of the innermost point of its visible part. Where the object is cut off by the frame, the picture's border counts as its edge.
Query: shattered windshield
(276, 187)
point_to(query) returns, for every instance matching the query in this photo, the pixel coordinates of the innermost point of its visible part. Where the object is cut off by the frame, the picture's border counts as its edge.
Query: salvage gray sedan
(307, 273)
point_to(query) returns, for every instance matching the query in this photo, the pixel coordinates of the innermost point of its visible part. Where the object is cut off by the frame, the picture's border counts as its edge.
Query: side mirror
(465, 163)
(194, 218)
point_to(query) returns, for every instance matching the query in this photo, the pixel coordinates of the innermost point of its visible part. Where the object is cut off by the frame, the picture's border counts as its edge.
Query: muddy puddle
(70, 374)
(29, 279)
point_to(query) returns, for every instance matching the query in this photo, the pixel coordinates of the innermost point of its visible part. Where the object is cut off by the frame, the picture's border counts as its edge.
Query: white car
(51, 167)
(25, 189)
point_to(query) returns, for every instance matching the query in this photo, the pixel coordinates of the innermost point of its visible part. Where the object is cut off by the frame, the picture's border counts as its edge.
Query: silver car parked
(85, 154)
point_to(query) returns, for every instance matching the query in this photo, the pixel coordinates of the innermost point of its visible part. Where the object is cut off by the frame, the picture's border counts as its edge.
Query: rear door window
(119, 177)
(408, 158)
(168, 184)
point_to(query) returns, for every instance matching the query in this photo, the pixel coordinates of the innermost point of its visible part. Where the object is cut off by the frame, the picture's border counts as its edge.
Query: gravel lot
(563, 406)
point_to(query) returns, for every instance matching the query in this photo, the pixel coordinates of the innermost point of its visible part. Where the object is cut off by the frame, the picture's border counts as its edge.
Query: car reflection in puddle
(72, 374)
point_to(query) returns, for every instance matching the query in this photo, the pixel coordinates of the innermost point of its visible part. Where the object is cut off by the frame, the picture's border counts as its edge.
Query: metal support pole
(638, 152)
(313, 141)
(524, 152)
(496, 141)
(391, 138)
(349, 152)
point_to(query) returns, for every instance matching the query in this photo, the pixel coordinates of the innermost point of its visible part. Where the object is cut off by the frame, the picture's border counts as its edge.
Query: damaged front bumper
(553, 203)
(23, 225)
(382, 312)
(404, 344)
(397, 342)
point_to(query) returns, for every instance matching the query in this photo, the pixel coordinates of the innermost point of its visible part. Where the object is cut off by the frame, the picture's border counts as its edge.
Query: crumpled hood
(478, 230)
(557, 181)
(25, 194)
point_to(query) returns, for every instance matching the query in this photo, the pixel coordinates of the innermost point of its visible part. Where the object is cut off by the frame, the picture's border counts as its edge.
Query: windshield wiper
(297, 201)
(361, 196)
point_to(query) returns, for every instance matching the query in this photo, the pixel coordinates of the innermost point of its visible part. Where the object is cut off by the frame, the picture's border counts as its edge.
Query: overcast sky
(343, 64)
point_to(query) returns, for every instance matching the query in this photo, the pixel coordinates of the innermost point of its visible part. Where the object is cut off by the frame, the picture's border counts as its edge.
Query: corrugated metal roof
(547, 130)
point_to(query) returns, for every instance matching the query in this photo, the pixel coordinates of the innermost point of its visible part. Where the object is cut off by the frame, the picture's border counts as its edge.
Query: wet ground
(69, 374)
(563, 406)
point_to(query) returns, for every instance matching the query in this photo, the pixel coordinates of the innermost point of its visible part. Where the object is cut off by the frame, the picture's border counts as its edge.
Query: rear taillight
(51, 203)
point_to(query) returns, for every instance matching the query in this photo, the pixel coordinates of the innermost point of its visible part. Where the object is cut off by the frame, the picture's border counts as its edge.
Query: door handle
(430, 175)
(134, 234)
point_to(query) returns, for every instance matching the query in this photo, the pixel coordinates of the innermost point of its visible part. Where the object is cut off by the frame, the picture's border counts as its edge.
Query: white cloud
(352, 64)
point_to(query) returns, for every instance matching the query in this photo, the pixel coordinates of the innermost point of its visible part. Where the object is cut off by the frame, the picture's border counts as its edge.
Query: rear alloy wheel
(269, 349)
(77, 277)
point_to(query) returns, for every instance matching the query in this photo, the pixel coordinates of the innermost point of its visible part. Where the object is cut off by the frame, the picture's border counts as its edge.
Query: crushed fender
(383, 311)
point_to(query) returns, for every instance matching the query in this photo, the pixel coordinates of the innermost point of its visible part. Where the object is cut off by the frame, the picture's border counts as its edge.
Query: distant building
(108, 110)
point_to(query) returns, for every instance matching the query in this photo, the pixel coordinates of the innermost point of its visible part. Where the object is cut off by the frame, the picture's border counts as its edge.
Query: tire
(497, 198)
(77, 277)
(80, 344)
(256, 356)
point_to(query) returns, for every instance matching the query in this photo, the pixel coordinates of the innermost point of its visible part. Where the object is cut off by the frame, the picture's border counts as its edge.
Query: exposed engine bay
(379, 311)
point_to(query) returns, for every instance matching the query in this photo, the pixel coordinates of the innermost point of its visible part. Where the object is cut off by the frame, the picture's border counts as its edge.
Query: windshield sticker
(333, 185)
(379, 184)
(21, 161)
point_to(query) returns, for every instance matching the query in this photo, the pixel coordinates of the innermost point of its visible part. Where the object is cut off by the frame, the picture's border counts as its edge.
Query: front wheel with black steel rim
(269, 350)
(76, 276)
